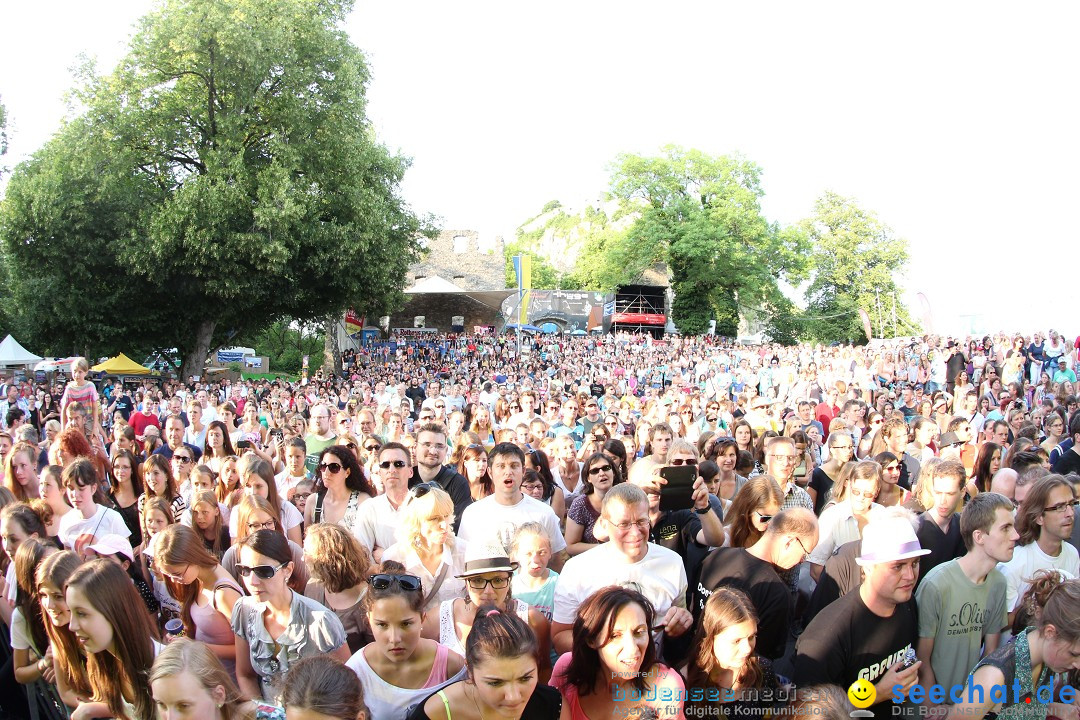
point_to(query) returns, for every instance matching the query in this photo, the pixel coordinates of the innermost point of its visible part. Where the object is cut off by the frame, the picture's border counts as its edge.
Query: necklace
(477, 706)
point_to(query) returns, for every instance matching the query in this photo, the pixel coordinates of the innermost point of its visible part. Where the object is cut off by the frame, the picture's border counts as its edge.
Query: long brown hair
(29, 555)
(594, 624)
(1034, 506)
(110, 591)
(472, 452)
(159, 462)
(55, 570)
(726, 607)
(336, 558)
(206, 497)
(756, 493)
(181, 545)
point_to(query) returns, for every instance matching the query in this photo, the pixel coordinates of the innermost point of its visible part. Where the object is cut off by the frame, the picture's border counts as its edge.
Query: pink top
(214, 628)
(665, 682)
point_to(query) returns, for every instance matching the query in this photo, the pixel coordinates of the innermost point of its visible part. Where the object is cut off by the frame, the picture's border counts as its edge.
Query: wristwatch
(703, 511)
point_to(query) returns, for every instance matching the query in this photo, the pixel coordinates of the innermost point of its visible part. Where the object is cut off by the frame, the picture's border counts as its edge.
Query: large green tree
(701, 214)
(855, 262)
(226, 177)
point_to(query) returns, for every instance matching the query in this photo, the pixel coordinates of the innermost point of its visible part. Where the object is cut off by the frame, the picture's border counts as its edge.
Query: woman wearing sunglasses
(254, 514)
(275, 627)
(426, 544)
(842, 522)
(751, 510)
(399, 667)
(487, 576)
(599, 473)
(345, 489)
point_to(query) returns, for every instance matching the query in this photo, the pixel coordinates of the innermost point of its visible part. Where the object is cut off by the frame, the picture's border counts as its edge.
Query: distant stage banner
(639, 318)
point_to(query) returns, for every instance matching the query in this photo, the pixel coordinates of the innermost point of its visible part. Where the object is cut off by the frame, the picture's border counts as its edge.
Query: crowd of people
(616, 524)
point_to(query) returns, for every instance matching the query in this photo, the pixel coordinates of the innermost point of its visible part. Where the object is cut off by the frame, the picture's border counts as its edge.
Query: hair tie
(492, 612)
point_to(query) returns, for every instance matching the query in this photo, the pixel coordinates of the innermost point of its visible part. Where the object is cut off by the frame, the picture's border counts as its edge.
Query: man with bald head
(789, 537)
(1004, 483)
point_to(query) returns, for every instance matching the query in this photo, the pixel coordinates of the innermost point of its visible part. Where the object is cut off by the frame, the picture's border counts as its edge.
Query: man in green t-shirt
(962, 602)
(320, 437)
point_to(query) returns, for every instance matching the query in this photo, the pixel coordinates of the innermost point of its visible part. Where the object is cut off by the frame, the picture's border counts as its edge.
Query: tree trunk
(331, 348)
(195, 361)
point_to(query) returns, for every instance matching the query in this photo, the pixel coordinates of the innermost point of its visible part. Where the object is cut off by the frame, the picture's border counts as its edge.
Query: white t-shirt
(1026, 560)
(290, 518)
(376, 523)
(486, 521)
(20, 633)
(660, 576)
(286, 482)
(106, 521)
(11, 592)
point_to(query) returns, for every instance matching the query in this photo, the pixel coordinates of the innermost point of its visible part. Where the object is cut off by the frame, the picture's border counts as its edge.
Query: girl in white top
(426, 545)
(844, 520)
(400, 667)
(91, 519)
(258, 479)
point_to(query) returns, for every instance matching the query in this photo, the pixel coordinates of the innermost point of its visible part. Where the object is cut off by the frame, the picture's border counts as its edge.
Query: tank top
(390, 702)
(348, 520)
(214, 628)
(448, 633)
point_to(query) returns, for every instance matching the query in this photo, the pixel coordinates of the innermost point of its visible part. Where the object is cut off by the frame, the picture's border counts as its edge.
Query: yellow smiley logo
(862, 693)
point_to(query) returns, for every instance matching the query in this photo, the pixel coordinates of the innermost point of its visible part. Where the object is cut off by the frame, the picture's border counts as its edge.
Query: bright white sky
(955, 122)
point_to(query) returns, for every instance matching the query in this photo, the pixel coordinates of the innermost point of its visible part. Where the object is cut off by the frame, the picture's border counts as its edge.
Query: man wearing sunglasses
(789, 537)
(494, 519)
(431, 467)
(378, 518)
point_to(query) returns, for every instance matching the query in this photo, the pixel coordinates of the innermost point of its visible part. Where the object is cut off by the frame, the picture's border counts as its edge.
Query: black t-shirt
(846, 641)
(943, 546)
(822, 485)
(1069, 462)
(738, 569)
(840, 576)
(125, 406)
(544, 704)
(676, 530)
(953, 366)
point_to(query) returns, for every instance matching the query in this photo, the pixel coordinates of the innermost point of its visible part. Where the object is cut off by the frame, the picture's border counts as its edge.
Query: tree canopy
(224, 176)
(701, 216)
(855, 260)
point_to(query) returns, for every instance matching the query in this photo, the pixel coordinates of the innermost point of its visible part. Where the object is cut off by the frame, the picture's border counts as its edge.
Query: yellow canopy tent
(121, 365)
